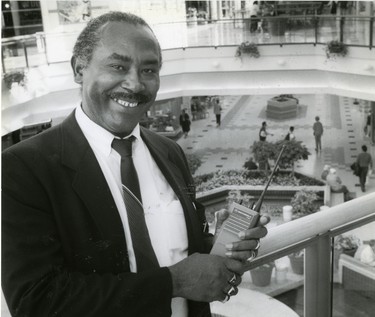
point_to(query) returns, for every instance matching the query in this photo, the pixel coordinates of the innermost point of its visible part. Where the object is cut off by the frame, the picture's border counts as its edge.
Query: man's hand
(248, 240)
(205, 278)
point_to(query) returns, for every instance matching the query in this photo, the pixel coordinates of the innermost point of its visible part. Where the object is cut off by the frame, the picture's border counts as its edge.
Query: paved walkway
(228, 146)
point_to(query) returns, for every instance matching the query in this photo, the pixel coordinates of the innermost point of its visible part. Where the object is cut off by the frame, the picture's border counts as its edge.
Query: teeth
(125, 103)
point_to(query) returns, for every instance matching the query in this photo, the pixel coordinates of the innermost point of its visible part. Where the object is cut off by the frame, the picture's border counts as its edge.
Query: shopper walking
(318, 132)
(364, 162)
(185, 122)
(217, 112)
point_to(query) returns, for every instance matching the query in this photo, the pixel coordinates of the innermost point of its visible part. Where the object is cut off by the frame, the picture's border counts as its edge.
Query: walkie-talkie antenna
(260, 200)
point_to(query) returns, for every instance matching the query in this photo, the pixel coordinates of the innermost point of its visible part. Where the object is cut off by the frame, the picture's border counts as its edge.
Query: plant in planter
(235, 196)
(263, 151)
(18, 77)
(297, 261)
(336, 48)
(294, 151)
(261, 275)
(194, 162)
(248, 49)
(346, 244)
(304, 202)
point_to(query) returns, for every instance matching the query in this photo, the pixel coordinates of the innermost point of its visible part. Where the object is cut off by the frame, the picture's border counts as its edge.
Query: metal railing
(315, 233)
(43, 48)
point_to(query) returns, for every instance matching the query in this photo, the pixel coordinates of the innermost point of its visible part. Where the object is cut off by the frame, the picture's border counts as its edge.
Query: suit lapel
(89, 181)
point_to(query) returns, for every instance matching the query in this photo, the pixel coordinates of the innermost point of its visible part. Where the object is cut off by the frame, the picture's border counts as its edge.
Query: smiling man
(93, 229)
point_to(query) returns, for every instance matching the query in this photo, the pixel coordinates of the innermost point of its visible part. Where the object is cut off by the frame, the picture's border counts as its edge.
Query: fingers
(231, 289)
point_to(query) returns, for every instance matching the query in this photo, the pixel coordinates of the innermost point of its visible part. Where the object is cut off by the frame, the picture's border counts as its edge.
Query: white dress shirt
(163, 211)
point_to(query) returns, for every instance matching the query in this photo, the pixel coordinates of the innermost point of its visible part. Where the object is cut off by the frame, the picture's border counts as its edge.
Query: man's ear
(77, 66)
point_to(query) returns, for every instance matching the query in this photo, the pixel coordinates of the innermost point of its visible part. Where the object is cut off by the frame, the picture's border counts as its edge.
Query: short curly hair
(90, 35)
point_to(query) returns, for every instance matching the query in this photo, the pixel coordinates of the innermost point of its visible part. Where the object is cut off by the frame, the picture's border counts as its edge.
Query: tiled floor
(228, 146)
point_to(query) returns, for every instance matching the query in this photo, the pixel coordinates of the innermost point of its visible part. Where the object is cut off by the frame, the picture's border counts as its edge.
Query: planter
(261, 276)
(297, 263)
(350, 252)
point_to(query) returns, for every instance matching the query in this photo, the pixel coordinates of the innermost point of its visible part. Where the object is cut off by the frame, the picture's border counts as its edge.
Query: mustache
(132, 97)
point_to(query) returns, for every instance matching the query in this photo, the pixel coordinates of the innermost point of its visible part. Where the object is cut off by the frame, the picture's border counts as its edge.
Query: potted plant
(18, 77)
(294, 151)
(263, 151)
(248, 49)
(346, 244)
(239, 198)
(304, 202)
(261, 275)
(336, 48)
(297, 260)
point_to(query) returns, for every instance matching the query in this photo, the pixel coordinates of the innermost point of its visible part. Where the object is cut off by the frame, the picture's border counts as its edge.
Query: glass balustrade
(41, 48)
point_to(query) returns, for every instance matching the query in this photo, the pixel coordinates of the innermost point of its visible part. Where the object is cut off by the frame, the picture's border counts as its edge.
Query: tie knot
(123, 146)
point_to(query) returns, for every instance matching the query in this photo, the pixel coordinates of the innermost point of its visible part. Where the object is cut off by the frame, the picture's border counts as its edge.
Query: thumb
(220, 216)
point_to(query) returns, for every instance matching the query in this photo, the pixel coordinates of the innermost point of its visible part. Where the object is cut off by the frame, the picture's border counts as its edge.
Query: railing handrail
(297, 234)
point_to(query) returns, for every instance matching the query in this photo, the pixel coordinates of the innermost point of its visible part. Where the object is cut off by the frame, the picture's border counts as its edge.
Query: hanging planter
(336, 48)
(247, 49)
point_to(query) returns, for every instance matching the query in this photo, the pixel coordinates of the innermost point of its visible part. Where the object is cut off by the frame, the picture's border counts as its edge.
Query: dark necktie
(144, 253)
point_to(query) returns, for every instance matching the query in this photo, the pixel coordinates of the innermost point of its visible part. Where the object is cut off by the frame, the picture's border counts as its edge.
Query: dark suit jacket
(63, 244)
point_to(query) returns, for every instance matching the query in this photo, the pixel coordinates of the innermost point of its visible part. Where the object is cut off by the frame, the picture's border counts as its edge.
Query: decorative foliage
(247, 48)
(218, 179)
(194, 162)
(348, 242)
(294, 151)
(263, 151)
(235, 196)
(336, 48)
(304, 202)
(14, 77)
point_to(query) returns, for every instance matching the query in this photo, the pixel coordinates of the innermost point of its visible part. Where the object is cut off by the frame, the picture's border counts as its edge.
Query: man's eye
(149, 71)
(118, 67)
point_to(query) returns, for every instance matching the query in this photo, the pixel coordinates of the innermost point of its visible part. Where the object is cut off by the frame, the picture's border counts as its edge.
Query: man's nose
(132, 81)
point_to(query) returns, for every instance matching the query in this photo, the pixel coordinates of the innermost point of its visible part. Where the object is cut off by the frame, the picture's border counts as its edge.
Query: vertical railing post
(317, 292)
(342, 22)
(371, 42)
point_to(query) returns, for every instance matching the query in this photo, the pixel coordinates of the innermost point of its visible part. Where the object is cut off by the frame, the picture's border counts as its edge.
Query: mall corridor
(228, 146)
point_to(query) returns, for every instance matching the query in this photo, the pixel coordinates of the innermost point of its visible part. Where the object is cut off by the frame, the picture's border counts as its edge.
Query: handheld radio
(241, 218)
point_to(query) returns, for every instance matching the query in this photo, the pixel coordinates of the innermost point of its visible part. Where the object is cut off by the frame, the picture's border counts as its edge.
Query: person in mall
(290, 135)
(335, 183)
(263, 133)
(99, 214)
(364, 163)
(217, 112)
(325, 172)
(366, 253)
(185, 123)
(318, 132)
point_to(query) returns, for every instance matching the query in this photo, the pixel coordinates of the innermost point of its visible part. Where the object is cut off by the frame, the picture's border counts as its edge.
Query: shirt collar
(97, 136)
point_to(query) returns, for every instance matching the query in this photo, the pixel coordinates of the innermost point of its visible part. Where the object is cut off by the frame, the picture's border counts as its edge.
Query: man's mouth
(125, 103)
(129, 100)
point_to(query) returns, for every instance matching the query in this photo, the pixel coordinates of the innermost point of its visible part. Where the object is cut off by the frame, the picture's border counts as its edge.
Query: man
(364, 161)
(70, 232)
(335, 183)
(318, 132)
(263, 132)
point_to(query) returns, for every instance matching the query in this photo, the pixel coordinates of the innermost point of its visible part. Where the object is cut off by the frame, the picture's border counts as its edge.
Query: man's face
(121, 82)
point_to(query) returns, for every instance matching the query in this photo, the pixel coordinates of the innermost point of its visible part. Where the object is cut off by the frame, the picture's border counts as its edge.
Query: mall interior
(264, 61)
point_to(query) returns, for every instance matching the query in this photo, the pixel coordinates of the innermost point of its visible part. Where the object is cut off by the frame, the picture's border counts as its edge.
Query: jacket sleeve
(37, 278)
